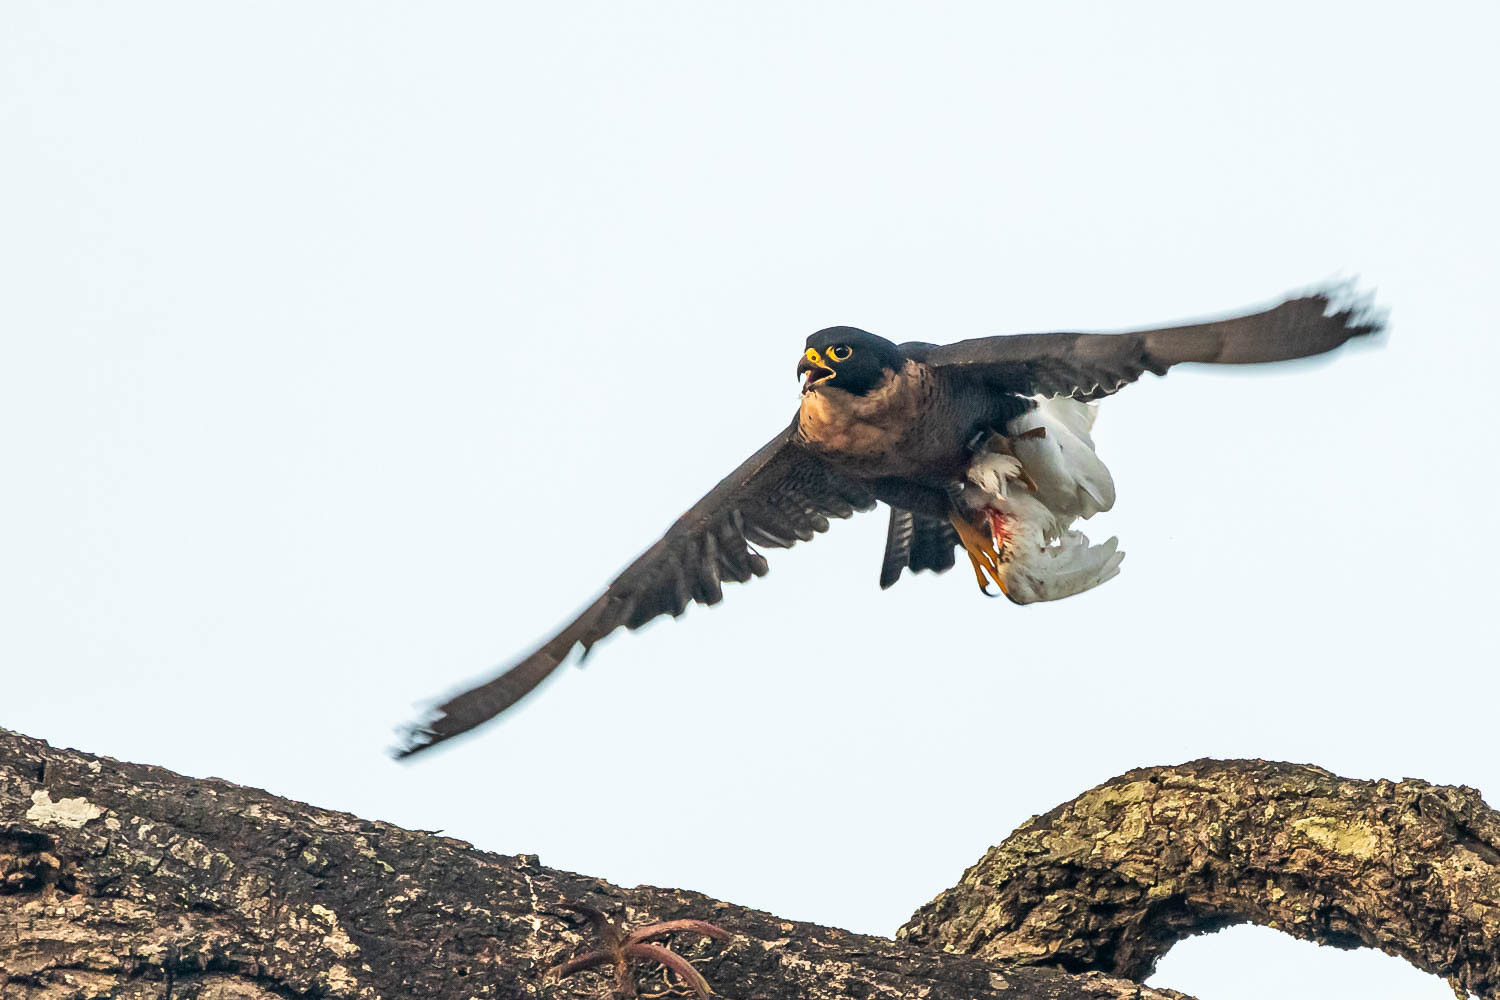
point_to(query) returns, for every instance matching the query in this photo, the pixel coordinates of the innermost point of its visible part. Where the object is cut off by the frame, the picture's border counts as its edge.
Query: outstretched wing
(1091, 365)
(780, 495)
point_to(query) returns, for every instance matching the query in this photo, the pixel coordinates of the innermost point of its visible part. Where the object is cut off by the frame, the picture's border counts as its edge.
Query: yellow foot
(982, 554)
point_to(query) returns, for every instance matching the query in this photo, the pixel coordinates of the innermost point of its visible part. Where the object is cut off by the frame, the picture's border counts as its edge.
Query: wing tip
(478, 705)
(415, 737)
(1353, 308)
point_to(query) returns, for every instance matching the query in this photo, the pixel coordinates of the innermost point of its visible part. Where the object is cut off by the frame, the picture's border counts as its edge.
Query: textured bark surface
(1111, 880)
(118, 880)
(126, 881)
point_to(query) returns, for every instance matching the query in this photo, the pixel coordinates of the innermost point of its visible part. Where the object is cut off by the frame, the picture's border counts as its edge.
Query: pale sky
(351, 346)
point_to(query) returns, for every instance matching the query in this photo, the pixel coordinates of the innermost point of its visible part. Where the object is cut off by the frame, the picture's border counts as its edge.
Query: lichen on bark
(1111, 880)
(153, 882)
(127, 881)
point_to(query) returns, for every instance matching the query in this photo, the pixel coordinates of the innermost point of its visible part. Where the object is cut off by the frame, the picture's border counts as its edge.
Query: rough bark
(118, 880)
(126, 881)
(1111, 880)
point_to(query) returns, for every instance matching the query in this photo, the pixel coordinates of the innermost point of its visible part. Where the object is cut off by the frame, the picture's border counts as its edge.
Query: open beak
(813, 367)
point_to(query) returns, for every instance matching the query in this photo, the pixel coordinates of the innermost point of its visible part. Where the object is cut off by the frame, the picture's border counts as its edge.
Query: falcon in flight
(982, 445)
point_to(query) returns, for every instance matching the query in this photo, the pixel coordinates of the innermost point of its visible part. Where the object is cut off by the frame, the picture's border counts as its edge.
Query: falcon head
(847, 358)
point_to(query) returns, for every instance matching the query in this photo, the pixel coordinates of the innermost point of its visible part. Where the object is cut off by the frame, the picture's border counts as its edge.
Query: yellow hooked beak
(813, 366)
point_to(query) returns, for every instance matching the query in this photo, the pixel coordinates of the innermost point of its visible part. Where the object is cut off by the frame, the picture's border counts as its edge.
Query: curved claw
(980, 569)
(982, 554)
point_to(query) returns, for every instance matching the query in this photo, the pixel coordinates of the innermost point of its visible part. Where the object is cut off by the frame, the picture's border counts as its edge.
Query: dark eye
(840, 352)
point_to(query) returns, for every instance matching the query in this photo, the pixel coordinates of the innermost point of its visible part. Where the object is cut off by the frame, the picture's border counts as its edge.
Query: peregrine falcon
(982, 445)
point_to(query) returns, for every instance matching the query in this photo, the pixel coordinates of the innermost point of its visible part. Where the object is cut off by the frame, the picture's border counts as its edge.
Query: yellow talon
(982, 555)
(984, 585)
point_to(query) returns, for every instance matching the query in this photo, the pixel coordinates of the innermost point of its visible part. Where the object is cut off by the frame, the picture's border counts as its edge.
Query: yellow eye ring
(840, 352)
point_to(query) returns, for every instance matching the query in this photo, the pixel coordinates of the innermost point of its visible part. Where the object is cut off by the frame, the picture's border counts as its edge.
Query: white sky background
(350, 347)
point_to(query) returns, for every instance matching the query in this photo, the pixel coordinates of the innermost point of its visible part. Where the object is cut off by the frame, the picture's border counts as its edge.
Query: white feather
(1070, 567)
(992, 472)
(1053, 443)
(1041, 558)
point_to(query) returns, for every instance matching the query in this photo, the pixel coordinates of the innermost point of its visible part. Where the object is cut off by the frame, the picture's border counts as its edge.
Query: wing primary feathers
(618, 614)
(781, 494)
(1298, 328)
(467, 710)
(772, 530)
(760, 536)
(855, 495)
(680, 595)
(789, 515)
(784, 493)
(1088, 366)
(839, 507)
(736, 522)
(733, 562)
(713, 591)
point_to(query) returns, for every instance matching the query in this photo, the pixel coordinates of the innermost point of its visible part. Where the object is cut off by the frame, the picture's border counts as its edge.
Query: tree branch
(1111, 880)
(134, 882)
(114, 877)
